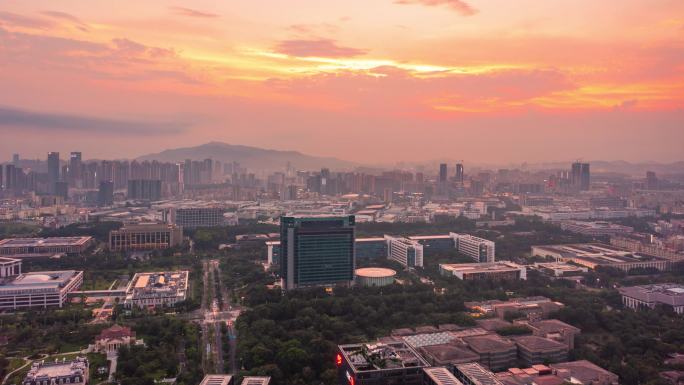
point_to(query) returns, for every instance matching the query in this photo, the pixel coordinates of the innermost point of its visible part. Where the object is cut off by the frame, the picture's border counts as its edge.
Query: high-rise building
(105, 194)
(75, 170)
(580, 176)
(443, 172)
(651, 180)
(459, 172)
(317, 251)
(53, 171)
(142, 189)
(15, 159)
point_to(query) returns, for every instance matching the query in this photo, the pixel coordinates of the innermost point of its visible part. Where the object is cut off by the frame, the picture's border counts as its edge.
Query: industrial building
(379, 364)
(157, 289)
(145, 237)
(407, 252)
(40, 289)
(58, 372)
(44, 247)
(374, 276)
(317, 251)
(593, 255)
(501, 270)
(649, 296)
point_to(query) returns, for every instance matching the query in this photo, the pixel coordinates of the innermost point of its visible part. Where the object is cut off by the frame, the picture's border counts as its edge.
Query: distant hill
(251, 157)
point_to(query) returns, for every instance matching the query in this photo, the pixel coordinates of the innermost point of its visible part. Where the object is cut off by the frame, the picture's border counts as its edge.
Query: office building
(443, 173)
(40, 289)
(668, 295)
(145, 237)
(53, 170)
(193, 217)
(496, 353)
(374, 276)
(459, 173)
(9, 267)
(105, 194)
(593, 255)
(74, 371)
(580, 176)
(75, 167)
(479, 249)
(537, 350)
(317, 251)
(556, 330)
(148, 290)
(44, 247)
(532, 308)
(439, 376)
(502, 270)
(143, 189)
(405, 251)
(217, 379)
(379, 364)
(595, 229)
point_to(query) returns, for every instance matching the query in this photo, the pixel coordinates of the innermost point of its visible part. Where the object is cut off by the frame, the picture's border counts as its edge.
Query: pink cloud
(182, 11)
(316, 47)
(459, 6)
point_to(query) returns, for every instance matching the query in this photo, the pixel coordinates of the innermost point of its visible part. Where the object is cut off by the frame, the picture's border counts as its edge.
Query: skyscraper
(317, 251)
(580, 176)
(143, 189)
(459, 172)
(443, 172)
(15, 159)
(53, 171)
(75, 170)
(105, 194)
(651, 180)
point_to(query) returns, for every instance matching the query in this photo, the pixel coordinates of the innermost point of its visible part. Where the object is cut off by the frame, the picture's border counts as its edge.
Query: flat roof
(375, 272)
(38, 280)
(481, 267)
(51, 241)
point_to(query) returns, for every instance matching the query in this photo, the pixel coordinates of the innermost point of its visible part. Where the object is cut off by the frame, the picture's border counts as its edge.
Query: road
(216, 311)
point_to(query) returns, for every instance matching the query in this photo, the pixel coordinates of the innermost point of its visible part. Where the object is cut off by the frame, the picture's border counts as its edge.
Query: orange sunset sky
(369, 80)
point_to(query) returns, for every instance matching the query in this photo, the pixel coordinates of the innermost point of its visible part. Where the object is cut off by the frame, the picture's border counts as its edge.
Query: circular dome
(375, 276)
(36, 278)
(375, 272)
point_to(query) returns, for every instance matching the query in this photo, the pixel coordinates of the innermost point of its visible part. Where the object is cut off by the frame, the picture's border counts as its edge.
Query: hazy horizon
(493, 82)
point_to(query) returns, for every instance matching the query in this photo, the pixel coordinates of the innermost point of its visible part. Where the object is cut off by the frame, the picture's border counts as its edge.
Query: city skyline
(482, 81)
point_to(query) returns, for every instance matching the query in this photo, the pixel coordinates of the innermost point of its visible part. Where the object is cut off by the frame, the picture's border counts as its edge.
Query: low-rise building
(496, 353)
(439, 376)
(374, 276)
(40, 289)
(380, 364)
(58, 372)
(407, 252)
(475, 374)
(576, 372)
(157, 289)
(9, 267)
(593, 255)
(650, 296)
(595, 229)
(111, 339)
(502, 270)
(537, 350)
(533, 308)
(255, 380)
(44, 247)
(555, 330)
(217, 379)
(145, 237)
(560, 269)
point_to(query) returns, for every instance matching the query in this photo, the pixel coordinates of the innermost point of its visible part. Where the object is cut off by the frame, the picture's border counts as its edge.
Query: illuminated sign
(338, 359)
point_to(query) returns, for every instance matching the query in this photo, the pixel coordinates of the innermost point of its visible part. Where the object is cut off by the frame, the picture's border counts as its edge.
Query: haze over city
(369, 81)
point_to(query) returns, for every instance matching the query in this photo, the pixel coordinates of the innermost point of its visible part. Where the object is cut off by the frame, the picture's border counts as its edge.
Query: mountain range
(253, 158)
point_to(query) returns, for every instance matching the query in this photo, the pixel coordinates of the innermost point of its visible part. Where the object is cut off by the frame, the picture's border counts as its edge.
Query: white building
(650, 296)
(407, 252)
(39, 289)
(157, 289)
(479, 249)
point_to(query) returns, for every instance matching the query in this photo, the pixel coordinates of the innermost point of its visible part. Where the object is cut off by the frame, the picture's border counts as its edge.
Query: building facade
(317, 251)
(145, 237)
(407, 252)
(479, 249)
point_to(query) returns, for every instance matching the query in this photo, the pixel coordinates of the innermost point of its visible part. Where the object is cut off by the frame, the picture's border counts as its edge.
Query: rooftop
(37, 242)
(441, 376)
(375, 272)
(381, 356)
(38, 280)
(216, 379)
(536, 343)
(477, 374)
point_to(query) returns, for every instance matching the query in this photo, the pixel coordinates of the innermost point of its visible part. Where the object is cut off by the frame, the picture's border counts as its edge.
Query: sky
(373, 81)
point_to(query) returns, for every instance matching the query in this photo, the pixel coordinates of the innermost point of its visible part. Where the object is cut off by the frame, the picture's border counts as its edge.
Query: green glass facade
(316, 251)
